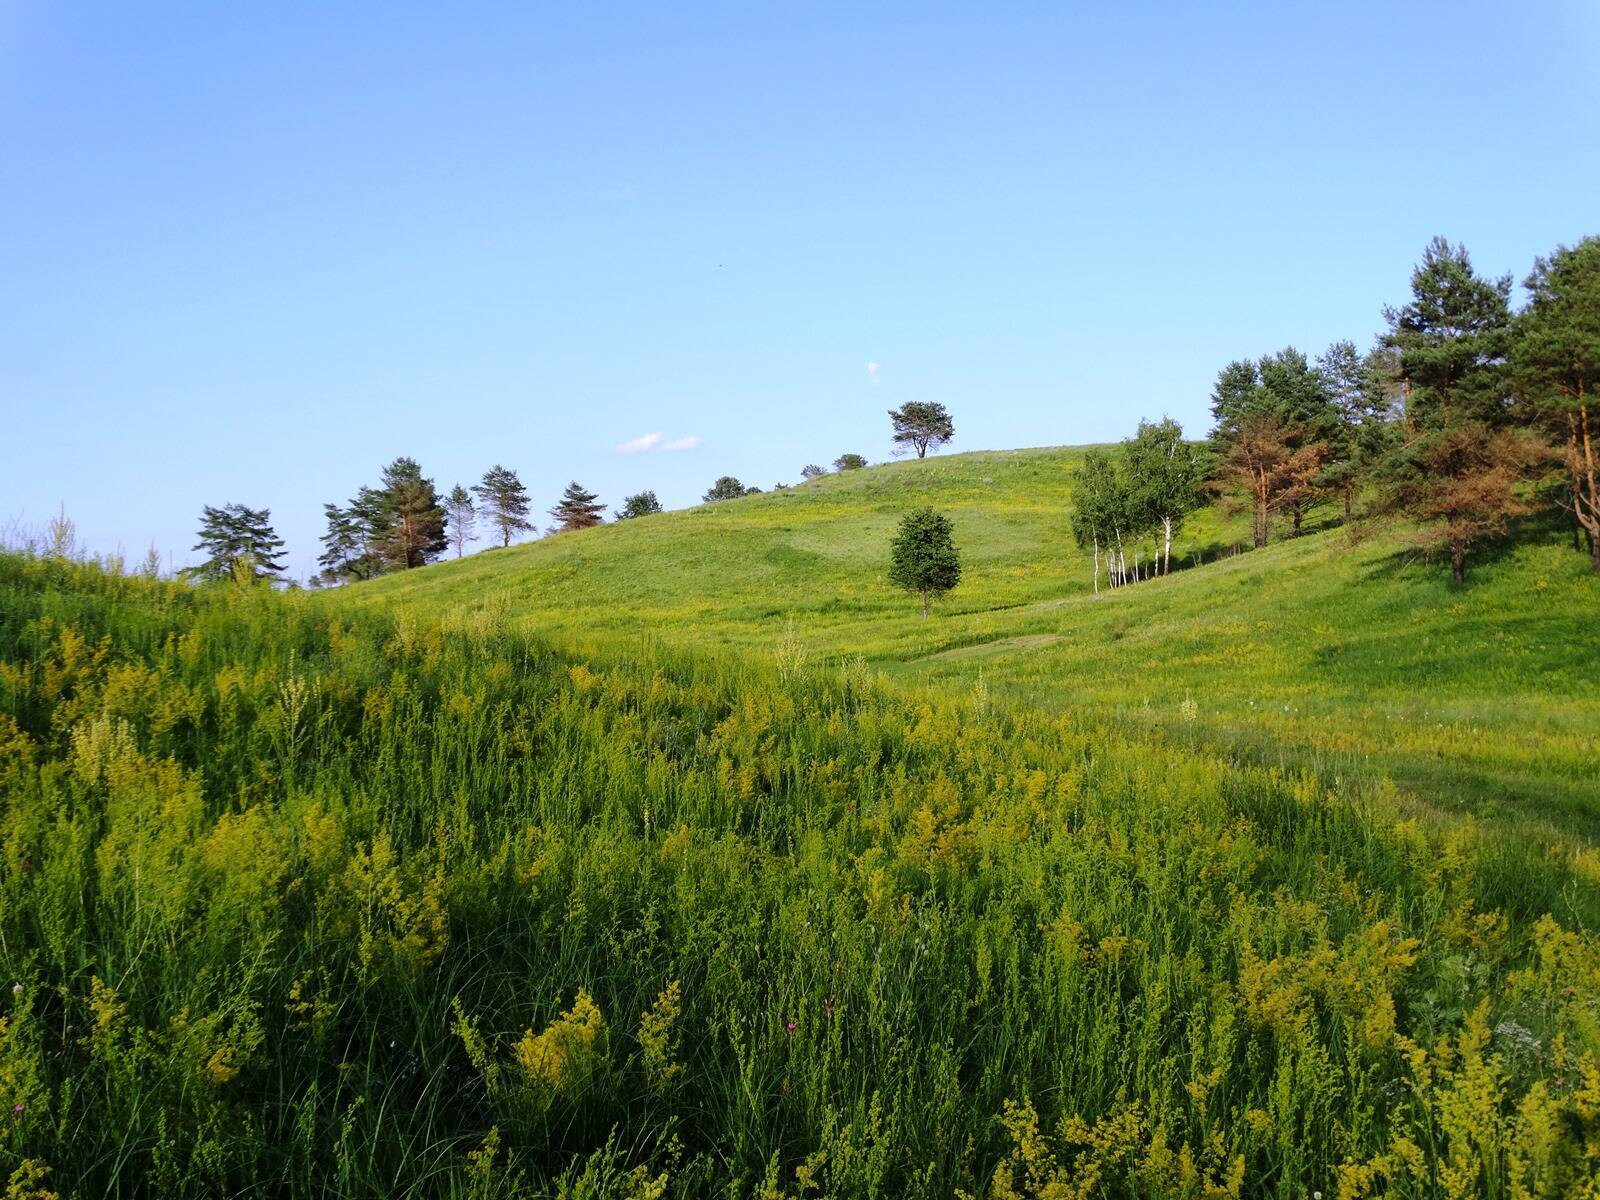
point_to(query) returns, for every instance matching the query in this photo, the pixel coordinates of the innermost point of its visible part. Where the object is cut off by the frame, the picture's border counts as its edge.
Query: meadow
(1348, 658)
(574, 870)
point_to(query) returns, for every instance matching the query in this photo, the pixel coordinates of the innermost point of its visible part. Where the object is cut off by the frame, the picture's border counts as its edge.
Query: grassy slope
(1314, 652)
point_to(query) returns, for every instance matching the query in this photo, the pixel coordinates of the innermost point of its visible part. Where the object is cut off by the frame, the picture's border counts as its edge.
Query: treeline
(1462, 417)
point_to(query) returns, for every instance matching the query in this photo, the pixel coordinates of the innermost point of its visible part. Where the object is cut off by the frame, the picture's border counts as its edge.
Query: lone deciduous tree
(1555, 362)
(463, 516)
(921, 426)
(640, 504)
(577, 509)
(923, 557)
(504, 502)
(727, 488)
(1165, 474)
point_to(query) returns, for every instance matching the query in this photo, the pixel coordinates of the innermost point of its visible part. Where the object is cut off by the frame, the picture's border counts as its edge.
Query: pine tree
(640, 504)
(1452, 339)
(923, 557)
(504, 502)
(238, 539)
(921, 426)
(577, 509)
(1460, 469)
(1273, 420)
(811, 471)
(1360, 406)
(344, 545)
(1555, 362)
(415, 519)
(462, 516)
(849, 462)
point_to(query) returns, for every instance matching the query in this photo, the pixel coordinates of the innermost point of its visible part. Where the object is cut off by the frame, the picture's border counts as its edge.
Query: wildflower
(16, 991)
(19, 1108)
(791, 1027)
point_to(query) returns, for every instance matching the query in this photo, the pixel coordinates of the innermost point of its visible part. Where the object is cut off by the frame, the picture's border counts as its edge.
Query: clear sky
(253, 252)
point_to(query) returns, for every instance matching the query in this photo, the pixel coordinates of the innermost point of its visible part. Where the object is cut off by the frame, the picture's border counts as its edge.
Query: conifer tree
(849, 462)
(811, 471)
(577, 509)
(503, 502)
(923, 557)
(1272, 422)
(463, 517)
(238, 539)
(921, 426)
(1555, 361)
(415, 519)
(1461, 468)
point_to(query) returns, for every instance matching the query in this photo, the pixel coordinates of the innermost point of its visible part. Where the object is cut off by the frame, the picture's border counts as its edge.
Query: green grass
(683, 859)
(1318, 652)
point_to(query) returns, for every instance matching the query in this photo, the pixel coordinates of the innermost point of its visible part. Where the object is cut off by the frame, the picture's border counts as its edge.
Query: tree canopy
(578, 508)
(236, 538)
(923, 557)
(921, 426)
(640, 504)
(504, 502)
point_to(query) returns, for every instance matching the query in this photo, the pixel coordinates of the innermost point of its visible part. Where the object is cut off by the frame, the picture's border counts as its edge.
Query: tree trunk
(1166, 567)
(924, 604)
(1297, 516)
(1097, 564)
(1260, 530)
(1458, 562)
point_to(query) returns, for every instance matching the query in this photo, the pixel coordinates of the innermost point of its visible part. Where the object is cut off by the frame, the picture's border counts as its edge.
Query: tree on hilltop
(921, 426)
(504, 502)
(235, 539)
(463, 517)
(811, 471)
(923, 557)
(849, 462)
(415, 534)
(577, 509)
(640, 504)
(727, 488)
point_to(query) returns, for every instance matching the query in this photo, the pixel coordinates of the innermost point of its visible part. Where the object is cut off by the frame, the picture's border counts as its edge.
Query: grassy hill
(1351, 659)
(574, 871)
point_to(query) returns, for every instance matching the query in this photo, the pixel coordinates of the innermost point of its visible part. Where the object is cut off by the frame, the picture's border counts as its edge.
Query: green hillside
(682, 858)
(1351, 659)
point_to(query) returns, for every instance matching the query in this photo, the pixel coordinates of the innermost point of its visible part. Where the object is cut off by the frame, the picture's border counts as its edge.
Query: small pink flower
(19, 1108)
(791, 1027)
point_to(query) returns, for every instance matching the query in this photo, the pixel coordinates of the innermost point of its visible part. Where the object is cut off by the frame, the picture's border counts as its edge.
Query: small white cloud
(681, 443)
(640, 444)
(872, 371)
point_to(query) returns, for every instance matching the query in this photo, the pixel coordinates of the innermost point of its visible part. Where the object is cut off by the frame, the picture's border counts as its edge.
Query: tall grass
(304, 900)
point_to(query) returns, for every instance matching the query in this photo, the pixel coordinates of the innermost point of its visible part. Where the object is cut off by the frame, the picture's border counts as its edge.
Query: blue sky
(254, 252)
